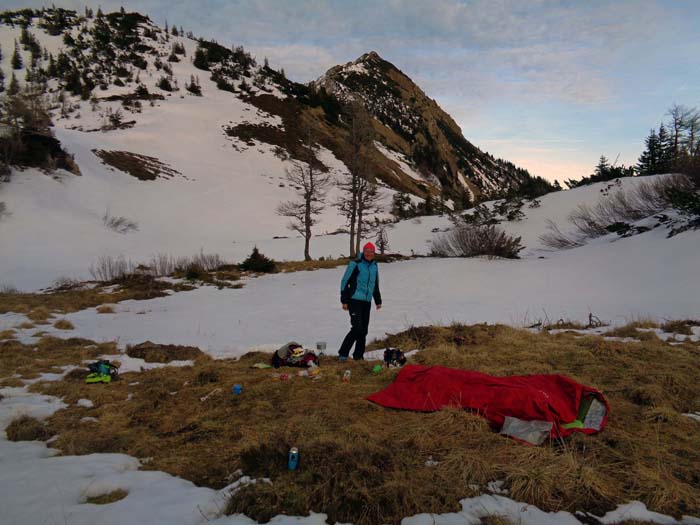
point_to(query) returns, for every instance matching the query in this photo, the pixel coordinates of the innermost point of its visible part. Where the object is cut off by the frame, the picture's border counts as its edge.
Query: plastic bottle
(293, 460)
(237, 389)
(346, 376)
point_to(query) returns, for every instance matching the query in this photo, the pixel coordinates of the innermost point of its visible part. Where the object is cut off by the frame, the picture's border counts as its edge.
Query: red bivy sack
(528, 408)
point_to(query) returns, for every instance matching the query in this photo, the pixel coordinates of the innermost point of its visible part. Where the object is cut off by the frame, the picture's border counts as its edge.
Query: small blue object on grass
(293, 461)
(237, 389)
(342, 358)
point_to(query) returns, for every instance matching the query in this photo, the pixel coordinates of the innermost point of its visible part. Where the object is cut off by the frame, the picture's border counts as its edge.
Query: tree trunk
(360, 211)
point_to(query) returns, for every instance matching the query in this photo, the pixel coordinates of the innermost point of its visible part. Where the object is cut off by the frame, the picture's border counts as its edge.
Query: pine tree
(665, 158)
(13, 89)
(0, 53)
(602, 169)
(200, 59)
(649, 159)
(2, 81)
(16, 58)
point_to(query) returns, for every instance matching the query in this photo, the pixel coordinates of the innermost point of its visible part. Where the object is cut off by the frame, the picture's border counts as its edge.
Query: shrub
(66, 283)
(164, 84)
(257, 262)
(558, 240)
(105, 309)
(194, 271)
(109, 268)
(119, 224)
(472, 240)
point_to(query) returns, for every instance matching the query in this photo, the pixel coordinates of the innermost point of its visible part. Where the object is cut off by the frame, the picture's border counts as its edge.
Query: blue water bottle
(237, 389)
(293, 461)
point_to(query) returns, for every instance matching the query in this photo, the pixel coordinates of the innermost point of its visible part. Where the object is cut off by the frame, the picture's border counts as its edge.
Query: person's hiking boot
(342, 358)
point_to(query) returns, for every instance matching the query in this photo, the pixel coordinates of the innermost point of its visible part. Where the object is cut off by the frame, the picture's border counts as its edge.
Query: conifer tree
(649, 159)
(13, 89)
(16, 58)
(2, 81)
(665, 159)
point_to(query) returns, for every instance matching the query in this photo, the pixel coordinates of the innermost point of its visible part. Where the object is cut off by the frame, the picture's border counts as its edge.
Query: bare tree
(692, 139)
(353, 187)
(382, 239)
(311, 186)
(368, 201)
(679, 121)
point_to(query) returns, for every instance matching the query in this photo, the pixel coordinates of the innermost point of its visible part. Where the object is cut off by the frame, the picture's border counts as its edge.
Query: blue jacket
(360, 282)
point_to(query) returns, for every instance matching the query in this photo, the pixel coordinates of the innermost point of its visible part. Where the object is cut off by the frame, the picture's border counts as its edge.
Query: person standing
(360, 284)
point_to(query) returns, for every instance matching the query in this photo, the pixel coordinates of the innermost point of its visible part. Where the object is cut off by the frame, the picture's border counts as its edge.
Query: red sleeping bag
(548, 405)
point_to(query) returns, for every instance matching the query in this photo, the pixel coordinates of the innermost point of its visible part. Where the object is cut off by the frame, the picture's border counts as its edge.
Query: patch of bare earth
(142, 167)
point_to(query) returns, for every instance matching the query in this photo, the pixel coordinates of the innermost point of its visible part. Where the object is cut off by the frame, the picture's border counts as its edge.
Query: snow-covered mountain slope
(618, 279)
(413, 124)
(218, 160)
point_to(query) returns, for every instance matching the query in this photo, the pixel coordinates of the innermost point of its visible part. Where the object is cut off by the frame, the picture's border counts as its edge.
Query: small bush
(8, 289)
(119, 224)
(108, 268)
(105, 309)
(679, 327)
(257, 262)
(164, 84)
(194, 271)
(66, 283)
(26, 428)
(558, 240)
(63, 324)
(471, 241)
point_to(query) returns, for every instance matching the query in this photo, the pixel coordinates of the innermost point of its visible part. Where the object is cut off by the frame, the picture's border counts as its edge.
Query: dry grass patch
(64, 324)
(26, 428)
(684, 327)
(105, 309)
(50, 355)
(364, 464)
(157, 353)
(7, 334)
(110, 497)
(631, 330)
(40, 307)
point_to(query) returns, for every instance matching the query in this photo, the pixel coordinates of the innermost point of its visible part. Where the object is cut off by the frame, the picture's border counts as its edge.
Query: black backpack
(393, 357)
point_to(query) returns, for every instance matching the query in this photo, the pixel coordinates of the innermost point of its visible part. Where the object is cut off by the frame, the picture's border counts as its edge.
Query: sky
(547, 84)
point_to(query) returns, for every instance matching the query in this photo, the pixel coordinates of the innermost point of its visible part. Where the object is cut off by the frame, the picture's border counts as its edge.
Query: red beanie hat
(369, 246)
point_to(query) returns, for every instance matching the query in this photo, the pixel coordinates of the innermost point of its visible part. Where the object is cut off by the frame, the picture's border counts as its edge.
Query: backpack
(393, 357)
(285, 356)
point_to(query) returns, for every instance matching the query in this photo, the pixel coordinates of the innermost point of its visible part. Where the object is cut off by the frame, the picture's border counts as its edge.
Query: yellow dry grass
(25, 428)
(106, 499)
(105, 309)
(39, 308)
(63, 324)
(364, 464)
(7, 334)
(317, 264)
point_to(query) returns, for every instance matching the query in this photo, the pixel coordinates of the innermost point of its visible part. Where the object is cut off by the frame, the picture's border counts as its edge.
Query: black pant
(359, 319)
